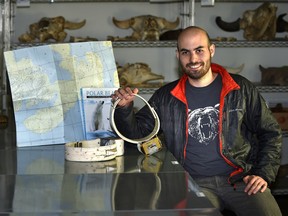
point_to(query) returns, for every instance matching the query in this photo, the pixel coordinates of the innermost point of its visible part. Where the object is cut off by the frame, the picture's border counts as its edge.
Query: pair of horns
(282, 25)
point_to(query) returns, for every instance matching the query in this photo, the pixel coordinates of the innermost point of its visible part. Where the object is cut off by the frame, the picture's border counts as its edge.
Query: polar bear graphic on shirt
(203, 123)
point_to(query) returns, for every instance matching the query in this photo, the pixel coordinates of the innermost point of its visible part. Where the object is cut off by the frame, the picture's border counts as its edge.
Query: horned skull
(50, 28)
(258, 24)
(145, 27)
(274, 75)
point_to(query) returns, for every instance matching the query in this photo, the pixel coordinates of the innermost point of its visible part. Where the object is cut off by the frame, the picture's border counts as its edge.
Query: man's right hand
(126, 95)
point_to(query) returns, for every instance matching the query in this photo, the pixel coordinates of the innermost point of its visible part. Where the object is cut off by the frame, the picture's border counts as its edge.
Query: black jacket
(250, 137)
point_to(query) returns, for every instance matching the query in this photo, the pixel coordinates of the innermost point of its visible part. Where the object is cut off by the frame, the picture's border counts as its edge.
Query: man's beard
(196, 74)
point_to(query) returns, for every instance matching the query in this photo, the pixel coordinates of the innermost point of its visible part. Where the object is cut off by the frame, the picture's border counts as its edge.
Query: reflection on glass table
(38, 180)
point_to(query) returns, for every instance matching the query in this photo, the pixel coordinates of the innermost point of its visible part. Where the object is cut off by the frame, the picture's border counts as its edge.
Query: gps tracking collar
(148, 144)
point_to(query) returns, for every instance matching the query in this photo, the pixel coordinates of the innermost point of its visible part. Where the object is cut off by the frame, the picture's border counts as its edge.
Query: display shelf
(274, 43)
(280, 43)
(125, 44)
(65, 1)
(271, 89)
(263, 89)
(131, 44)
(118, 44)
(250, 1)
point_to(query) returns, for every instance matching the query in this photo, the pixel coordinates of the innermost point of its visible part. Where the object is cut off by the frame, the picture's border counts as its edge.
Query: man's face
(194, 54)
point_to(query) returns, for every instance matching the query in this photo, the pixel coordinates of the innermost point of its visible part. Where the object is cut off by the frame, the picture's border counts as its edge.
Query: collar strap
(141, 140)
(94, 150)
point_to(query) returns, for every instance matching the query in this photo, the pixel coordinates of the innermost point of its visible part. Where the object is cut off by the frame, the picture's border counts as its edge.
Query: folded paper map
(45, 84)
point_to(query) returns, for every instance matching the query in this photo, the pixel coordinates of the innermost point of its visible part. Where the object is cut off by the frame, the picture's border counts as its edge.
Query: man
(217, 126)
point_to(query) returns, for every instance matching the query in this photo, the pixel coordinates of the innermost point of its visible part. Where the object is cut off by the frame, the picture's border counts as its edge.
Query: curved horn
(230, 27)
(235, 70)
(282, 25)
(170, 25)
(124, 24)
(262, 69)
(74, 25)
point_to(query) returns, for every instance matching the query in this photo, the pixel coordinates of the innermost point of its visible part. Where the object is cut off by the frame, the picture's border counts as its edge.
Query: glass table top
(38, 180)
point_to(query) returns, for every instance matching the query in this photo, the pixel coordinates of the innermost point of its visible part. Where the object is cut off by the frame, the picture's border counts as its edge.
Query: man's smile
(196, 66)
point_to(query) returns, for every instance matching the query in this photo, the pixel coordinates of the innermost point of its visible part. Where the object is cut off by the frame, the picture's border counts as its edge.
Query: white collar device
(94, 150)
(146, 144)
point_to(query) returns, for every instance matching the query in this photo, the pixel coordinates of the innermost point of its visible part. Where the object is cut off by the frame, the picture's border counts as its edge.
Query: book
(96, 105)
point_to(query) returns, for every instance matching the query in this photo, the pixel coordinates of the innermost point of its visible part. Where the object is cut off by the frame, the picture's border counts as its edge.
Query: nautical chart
(45, 84)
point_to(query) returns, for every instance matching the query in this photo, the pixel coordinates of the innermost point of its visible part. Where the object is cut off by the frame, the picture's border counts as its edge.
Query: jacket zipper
(224, 134)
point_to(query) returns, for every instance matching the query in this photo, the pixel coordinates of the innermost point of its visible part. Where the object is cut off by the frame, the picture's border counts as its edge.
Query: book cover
(96, 110)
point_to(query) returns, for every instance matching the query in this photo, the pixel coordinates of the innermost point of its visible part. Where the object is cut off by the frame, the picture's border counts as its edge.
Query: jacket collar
(227, 81)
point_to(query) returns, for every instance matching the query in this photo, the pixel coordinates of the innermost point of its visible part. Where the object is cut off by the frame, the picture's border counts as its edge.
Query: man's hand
(125, 94)
(254, 184)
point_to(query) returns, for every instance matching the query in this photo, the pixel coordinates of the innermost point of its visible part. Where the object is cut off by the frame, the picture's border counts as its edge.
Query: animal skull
(259, 24)
(274, 75)
(145, 27)
(81, 39)
(137, 75)
(49, 28)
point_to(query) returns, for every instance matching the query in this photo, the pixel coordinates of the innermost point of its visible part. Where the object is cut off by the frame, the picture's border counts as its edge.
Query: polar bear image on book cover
(96, 110)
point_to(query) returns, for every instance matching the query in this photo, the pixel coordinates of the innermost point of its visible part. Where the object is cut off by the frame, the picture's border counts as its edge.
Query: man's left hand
(254, 184)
